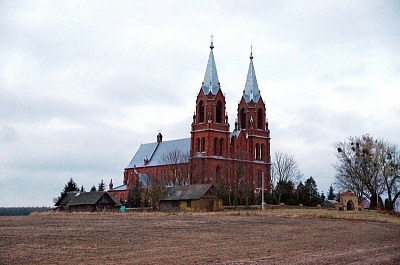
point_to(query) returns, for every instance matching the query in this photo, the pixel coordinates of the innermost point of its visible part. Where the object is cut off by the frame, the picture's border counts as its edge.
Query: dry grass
(230, 237)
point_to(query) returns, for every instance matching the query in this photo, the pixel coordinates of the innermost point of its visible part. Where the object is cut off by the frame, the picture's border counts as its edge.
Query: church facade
(234, 161)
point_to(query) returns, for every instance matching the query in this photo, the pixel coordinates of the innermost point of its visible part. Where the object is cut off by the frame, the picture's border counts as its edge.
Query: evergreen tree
(70, 186)
(137, 193)
(284, 193)
(322, 196)
(331, 193)
(82, 189)
(93, 188)
(302, 194)
(311, 187)
(102, 186)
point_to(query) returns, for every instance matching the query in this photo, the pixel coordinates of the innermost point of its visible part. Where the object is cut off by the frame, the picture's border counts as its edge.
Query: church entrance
(350, 205)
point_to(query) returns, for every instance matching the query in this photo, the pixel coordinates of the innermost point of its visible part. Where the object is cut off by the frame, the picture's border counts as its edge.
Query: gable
(66, 198)
(85, 198)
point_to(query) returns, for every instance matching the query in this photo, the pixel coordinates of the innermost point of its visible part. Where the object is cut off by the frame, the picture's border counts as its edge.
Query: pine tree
(70, 186)
(137, 194)
(311, 187)
(331, 193)
(302, 194)
(82, 189)
(102, 186)
(93, 188)
(322, 196)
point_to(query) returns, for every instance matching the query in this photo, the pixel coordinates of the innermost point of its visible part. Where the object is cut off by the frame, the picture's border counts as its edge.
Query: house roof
(154, 152)
(186, 192)
(68, 194)
(118, 188)
(92, 197)
(251, 91)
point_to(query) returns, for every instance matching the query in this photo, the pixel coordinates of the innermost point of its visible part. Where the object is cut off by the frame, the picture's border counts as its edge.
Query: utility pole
(262, 191)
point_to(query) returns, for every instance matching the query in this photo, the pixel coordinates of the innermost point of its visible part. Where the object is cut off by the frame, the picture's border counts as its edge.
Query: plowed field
(254, 237)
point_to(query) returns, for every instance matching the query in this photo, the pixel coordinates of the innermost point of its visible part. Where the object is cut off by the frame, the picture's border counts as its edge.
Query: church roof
(154, 152)
(251, 91)
(211, 83)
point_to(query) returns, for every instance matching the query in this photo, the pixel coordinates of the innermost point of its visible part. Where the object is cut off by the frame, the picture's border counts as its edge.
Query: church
(234, 161)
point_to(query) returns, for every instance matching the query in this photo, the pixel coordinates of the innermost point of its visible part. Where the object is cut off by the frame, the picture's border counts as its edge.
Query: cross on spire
(212, 45)
(251, 52)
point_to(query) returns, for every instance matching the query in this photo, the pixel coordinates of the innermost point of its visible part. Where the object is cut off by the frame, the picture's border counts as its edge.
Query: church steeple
(211, 83)
(251, 91)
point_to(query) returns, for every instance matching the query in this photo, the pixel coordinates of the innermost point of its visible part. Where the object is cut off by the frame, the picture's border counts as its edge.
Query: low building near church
(95, 201)
(199, 197)
(349, 202)
(62, 203)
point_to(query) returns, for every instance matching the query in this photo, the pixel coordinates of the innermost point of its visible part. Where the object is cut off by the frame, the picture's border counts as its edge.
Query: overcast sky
(84, 83)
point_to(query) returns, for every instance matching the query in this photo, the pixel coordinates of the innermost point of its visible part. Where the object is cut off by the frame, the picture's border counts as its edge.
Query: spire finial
(251, 52)
(212, 45)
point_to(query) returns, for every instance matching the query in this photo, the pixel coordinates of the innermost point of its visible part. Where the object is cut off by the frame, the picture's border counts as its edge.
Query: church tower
(210, 128)
(251, 136)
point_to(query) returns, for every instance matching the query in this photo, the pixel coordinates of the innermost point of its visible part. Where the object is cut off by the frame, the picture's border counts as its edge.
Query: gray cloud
(82, 84)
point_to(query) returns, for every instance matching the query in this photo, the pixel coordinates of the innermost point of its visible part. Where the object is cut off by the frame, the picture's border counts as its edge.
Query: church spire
(211, 83)
(251, 91)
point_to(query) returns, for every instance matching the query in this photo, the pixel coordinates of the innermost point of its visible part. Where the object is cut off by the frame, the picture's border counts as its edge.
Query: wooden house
(93, 202)
(62, 203)
(199, 197)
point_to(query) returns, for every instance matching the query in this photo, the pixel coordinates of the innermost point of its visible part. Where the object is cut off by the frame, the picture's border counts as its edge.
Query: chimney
(159, 138)
(111, 185)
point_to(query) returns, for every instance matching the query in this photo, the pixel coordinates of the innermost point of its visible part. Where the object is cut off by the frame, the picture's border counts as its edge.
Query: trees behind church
(370, 168)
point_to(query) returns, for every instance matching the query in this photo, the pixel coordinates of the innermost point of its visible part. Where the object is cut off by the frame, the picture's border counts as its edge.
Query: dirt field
(254, 237)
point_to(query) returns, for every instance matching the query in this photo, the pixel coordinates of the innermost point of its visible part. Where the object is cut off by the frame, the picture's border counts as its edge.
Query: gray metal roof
(211, 82)
(187, 192)
(66, 197)
(154, 152)
(82, 198)
(251, 91)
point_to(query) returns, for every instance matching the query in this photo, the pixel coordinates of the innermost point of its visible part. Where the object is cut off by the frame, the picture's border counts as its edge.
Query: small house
(94, 201)
(62, 203)
(199, 197)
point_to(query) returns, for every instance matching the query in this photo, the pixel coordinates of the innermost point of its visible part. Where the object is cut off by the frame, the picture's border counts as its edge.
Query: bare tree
(363, 167)
(284, 171)
(176, 168)
(391, 175)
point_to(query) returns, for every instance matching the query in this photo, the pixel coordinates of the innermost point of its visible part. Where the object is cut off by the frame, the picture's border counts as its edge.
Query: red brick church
(232, 160)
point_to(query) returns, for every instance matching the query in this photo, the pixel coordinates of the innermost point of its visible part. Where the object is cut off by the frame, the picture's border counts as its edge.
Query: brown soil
(272, 237)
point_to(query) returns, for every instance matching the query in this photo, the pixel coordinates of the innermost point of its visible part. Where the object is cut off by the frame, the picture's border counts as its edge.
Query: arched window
(201, 111)
(203, 144)
(262, 152)
(243, 118)
(221, 144)
(218, 174)
(198, 145)
(259, 119)
(215, 151)
(257, 152)
(218, 112)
